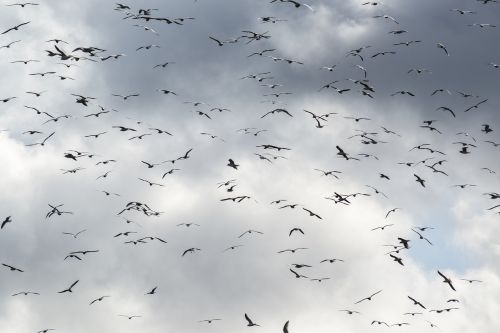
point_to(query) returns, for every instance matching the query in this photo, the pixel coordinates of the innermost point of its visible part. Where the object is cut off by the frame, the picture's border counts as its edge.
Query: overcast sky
(252, 277)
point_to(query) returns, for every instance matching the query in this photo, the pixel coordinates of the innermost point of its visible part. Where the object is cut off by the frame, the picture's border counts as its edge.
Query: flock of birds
(423, 169)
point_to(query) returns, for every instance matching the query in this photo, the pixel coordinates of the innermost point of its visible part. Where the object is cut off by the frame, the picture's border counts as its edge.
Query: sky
(236, 273)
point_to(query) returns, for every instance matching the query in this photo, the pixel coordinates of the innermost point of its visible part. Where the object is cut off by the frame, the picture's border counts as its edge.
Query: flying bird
(69, 289)
(447, 280)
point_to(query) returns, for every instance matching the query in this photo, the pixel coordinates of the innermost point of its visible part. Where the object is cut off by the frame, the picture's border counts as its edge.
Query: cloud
(253, 278)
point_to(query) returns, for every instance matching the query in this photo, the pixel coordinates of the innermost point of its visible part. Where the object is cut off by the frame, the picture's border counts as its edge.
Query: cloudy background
(253, 278)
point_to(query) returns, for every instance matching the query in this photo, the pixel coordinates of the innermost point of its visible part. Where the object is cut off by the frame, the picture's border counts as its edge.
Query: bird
(43, 141)
(447, 280)
(421, 237)
(12, 268)
(312, 214)
(419, 180)
(251, 232)
(7, 46)
(69, 289)
(125, 97)
(295, 230)
(369, 298)
(75, 235)
(8, 219)
(209, 321)
(129, 317)
(442, 47)
(15, 28)
(471, 280)
(386, 17)
(415, 302)
(285, 327)
(99, 299)
(350, 312)
(26, 293)
(331, 260)
(382, 227)
(250, 322)
(190, 250)
(476, 106)
(391, 211)
(152, 291)
(397, 259)
(232, 164)
(164, 65)
(293, 250)
(277, 111)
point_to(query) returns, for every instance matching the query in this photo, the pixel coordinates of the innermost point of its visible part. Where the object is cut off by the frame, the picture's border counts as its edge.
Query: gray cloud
(253, 278)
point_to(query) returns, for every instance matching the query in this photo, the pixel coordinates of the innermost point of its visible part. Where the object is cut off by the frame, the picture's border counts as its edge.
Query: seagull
(285, 327)
(386, 17)
(7, 46)
(462, 12)
(69, 289)
(190, 250)
(8, 219)
(151, 292)
(446, 280)
(382, 227)
(209, 321)
(415, 302)
(350, 312)
(12, 268)
(125, 97)
(26, 293)
(98, 299)
(130, 317)
(369, 298)
(391, 211)
(419, 180)
(250, 232)
(232, 164)
(75, 235)
(43, 141)
(250, 322)
(475, 106)
(295, 3)
(441, 46)
(397, 259)
(277, 111)
(15, 27)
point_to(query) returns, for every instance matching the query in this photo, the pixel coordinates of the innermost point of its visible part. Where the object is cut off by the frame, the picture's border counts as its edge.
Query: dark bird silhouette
(397, 259)
(391, 211)
(100, 299)
(447, 280)
(16, 28)
(8, 219)
(12, 268)
(232, 164)
(152, 291)
(285, 327)
(312, 213)
(26, 293)
(415, 302)
(295, 230)
(419, 180)
(209, 321)
(369, 298)
(250, 322)
(277, 111)
(69, 289)
(190, 250)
